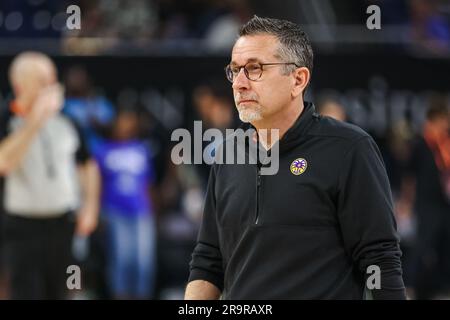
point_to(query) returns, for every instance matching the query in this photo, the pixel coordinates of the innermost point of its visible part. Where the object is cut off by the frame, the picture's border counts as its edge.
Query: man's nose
(241, 81)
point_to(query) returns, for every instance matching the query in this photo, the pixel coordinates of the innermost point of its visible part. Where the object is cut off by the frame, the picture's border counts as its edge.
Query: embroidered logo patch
(298, 166)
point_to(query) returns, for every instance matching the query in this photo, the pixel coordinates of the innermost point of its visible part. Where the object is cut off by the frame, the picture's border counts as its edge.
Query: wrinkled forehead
(255, 48)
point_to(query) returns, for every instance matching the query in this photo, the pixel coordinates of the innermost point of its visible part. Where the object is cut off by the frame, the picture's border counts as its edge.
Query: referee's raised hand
(48, 102)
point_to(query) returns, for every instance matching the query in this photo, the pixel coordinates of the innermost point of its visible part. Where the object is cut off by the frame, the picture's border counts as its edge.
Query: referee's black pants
(37, 254)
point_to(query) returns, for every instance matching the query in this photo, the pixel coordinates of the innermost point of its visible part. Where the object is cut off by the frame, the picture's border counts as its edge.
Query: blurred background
(163, 60)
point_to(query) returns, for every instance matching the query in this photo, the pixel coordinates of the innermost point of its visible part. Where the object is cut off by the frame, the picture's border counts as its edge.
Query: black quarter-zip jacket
(307, 236)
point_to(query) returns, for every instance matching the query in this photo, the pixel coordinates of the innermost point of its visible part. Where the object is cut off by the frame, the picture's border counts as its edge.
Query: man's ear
(301, 80)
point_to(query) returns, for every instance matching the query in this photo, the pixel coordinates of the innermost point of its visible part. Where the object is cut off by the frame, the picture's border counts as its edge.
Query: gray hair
(294, 43)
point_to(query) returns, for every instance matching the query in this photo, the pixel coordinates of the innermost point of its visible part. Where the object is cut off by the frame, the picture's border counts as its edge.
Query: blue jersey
(127, 173)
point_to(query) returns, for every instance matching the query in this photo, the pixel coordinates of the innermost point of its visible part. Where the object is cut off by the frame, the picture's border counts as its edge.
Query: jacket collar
(300, 127)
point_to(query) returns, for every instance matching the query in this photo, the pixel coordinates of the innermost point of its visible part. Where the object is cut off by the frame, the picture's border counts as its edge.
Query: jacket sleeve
(365, 213)
(206, 262)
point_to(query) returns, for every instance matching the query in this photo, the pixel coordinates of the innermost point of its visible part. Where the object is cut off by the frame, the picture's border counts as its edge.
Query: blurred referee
(46, 165)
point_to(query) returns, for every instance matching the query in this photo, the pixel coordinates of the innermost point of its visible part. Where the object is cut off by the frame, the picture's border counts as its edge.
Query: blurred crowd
(107, 24)
(418, 166)
(118, 25)
(117, 133)
(151, 208)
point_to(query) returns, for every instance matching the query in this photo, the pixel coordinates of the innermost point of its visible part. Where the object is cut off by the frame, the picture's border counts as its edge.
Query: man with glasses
(322, 227)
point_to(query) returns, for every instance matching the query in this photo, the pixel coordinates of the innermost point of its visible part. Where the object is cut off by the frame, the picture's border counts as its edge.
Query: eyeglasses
(252, 70)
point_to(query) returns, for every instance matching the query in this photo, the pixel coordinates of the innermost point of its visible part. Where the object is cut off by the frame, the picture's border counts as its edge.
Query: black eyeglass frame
(229, 73)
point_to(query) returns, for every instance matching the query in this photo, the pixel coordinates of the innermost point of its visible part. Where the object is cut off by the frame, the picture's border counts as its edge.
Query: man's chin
(249, 116)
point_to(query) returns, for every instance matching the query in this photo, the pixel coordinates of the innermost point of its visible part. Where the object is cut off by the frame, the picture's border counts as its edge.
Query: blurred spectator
(430, 164)
(127, 174)
(430, 27)
(128, 19)
(216, 21)
(396, 156)
(330, 107)
(398, 153)
(188, 19)
(184, 189)
(92, 112)
(215, 108)
(40, 152)
(222, 32)
(106, 23)
(95, 36)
